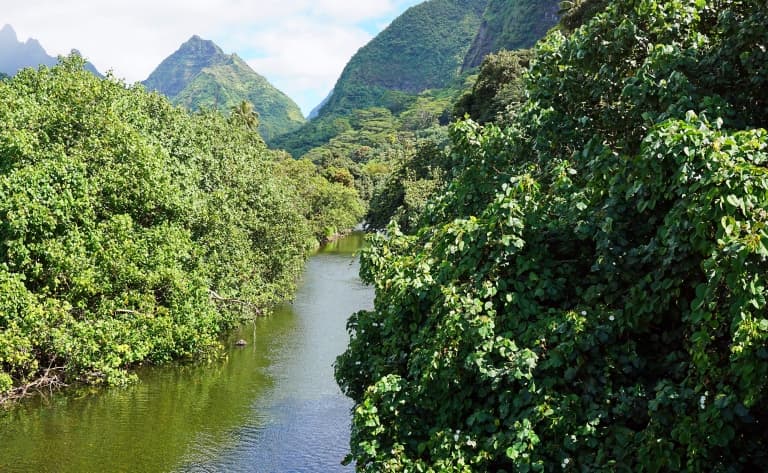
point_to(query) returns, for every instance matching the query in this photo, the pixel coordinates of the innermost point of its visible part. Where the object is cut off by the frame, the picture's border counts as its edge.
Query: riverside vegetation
(585, 291)
(397, 94)
(132, 231)
(573, 279)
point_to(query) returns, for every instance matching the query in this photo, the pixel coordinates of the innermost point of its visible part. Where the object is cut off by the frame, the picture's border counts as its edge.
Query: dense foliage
(499, 88)
(588, 293)
(371, 127)
(132, 231)
(201, 76)
(574, 13)
(369, 150)
(416, 177)
(329, 202)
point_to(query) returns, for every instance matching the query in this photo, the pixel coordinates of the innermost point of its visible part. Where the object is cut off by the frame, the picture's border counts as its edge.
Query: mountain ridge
(421, 49)
(432, 49)
(16, 55)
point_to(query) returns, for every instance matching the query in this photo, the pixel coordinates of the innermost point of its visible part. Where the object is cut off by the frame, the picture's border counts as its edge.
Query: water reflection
(272, 406)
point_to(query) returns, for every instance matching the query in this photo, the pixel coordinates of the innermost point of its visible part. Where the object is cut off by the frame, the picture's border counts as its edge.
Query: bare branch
(50, 379)
(225, 300)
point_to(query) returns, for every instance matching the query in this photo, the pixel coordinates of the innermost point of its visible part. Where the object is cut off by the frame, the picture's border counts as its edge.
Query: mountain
(431, 44)
(200, 75)
(432, 49)
(511, 25)
(424, 48)
(15, 55)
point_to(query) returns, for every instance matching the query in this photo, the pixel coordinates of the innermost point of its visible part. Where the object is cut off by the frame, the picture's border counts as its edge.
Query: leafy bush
(589, 291)
(499, 87)
(130, 231)
(330, 207)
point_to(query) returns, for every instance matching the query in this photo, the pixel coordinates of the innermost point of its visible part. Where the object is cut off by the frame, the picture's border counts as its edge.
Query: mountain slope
(180, 68)
(201, 75)
(422, 49)
(511, 25)
(433, 47)
(16, 55)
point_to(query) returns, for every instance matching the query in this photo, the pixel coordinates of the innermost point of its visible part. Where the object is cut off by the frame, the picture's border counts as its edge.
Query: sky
(300, 46)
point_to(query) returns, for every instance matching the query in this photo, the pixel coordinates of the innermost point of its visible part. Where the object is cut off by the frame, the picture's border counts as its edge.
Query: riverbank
(272, 405)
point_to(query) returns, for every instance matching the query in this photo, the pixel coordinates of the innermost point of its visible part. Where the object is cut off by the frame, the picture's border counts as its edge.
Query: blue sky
(301, 46)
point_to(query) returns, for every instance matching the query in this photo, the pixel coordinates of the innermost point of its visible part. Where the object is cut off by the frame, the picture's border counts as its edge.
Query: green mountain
(430, 49)
(422, 49)
(511, 25)
(201, 75)
(16, 55)
(431, 44)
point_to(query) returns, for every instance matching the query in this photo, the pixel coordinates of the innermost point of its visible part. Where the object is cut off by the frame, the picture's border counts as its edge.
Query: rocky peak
(178, 69)
(16, 55)
(8, 34)
(198, 46)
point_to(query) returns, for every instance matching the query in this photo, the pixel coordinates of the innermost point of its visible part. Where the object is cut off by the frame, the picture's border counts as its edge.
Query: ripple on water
(304, 436)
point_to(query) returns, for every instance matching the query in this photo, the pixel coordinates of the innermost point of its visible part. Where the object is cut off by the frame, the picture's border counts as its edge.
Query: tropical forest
(517, 236)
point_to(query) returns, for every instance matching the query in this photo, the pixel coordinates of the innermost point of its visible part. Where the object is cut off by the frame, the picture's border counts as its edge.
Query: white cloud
(323, 49)
(299, 45)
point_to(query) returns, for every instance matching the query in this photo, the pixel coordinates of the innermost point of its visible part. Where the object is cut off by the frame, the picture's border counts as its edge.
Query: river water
(272, 406)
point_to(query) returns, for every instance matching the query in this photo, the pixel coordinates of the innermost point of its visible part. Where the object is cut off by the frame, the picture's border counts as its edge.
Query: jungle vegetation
(134, 232)
(587, 291)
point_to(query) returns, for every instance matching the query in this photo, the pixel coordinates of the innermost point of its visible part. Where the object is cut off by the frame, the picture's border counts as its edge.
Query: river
(271, 406)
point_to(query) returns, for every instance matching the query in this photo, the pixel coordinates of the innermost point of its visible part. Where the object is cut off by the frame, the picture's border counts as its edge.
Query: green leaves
(588, 293)
(121, 215)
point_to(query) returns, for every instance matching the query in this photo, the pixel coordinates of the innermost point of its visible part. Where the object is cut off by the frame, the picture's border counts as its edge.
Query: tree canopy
(132, 231)
(588, 291)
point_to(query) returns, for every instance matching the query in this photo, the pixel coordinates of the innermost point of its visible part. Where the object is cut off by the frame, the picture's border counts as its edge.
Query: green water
(272, 406)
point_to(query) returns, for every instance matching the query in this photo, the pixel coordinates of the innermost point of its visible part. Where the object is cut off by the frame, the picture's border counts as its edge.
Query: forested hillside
(586, 291)
(201, 76)
(421, 52)
(511, 25)
(133, 232)
(385, 123)
(422, 49)
(392, 104)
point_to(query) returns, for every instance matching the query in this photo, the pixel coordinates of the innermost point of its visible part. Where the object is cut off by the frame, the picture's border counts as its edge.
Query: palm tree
(246, 115)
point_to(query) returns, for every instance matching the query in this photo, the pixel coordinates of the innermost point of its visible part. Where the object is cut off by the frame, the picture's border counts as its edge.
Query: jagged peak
(198, 45)
(34, 43)
(7, 32)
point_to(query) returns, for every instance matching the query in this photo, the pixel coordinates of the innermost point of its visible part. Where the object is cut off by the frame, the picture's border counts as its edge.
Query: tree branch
(50, 379)
(225, 300)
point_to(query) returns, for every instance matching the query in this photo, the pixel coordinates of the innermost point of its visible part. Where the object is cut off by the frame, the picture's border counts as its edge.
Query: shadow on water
(271, 406)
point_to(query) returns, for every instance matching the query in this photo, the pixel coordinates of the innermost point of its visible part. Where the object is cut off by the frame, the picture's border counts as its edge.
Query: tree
(499, 87)
(587, 294)
(131, 231)
(245, 115)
